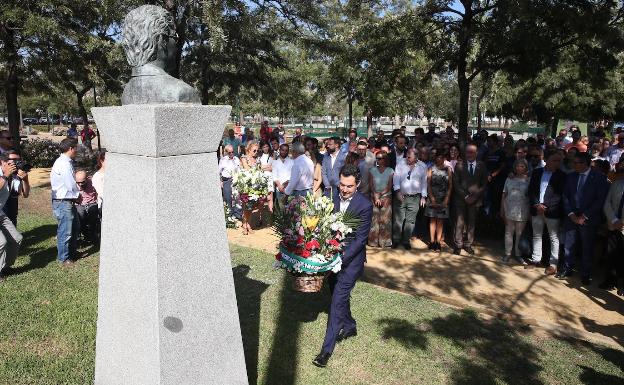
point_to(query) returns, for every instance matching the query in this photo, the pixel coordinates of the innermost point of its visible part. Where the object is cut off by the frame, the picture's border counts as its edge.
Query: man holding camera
(10, 238)
(18, 185)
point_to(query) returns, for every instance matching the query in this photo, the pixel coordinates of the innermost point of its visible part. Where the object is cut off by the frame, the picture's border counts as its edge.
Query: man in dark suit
(469, 184)
(340, 324)
(583, 198)
(545, 200)
(330, 168)
(399, 153)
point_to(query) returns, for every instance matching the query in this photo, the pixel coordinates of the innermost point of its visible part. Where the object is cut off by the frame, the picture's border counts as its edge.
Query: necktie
(471, 170)
(619, 213)
(579, 188)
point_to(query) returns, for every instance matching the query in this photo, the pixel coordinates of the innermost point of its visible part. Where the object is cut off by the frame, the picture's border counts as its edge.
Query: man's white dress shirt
(301, 175)
(228, 166)
(344, 203)
(282, 169)
(62, 179)
(417, 182)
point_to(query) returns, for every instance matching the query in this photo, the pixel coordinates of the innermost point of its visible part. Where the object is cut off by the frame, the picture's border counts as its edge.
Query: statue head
(149, 36)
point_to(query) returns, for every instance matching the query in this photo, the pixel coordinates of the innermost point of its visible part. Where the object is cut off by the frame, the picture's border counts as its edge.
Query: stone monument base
(167, 311)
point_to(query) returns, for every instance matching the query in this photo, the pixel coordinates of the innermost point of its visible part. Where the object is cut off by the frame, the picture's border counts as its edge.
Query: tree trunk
(11, 87)
(350, 102)
(553, 127)
(464, 100)
(369, 122)
(81, 108)
(11, 90)
(463, 82)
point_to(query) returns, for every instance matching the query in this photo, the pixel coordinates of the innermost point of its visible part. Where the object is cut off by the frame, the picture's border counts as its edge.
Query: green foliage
(40, 152)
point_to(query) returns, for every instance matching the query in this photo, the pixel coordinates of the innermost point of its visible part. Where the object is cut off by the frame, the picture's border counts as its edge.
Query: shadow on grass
(495, 352)
(295, 309)
(39, 257)
(248, 296)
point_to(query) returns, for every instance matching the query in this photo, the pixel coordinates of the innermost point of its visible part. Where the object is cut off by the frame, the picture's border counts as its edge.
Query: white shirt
(417, 182)
(333, 157)
(344, 204)
(281, 169)
(544, 183)
(227, 166)
(98, 184)
(472, 164)
(301, 175)
(62, 179)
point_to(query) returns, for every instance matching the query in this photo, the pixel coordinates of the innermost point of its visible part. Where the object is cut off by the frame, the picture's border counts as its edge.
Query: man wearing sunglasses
(6, 141)
(410, 188)
(87, 208)
(10, 238)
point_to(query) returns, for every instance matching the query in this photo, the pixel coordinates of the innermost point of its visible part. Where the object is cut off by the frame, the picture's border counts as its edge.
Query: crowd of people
(422, 184)
(77, 200)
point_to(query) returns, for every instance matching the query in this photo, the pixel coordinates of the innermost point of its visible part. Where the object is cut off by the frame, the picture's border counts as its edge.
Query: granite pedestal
(167, 312)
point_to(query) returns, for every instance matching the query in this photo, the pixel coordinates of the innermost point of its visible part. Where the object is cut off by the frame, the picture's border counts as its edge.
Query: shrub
(40, 152)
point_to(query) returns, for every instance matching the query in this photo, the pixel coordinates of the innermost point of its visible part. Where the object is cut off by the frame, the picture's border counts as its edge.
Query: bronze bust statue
(149, 43)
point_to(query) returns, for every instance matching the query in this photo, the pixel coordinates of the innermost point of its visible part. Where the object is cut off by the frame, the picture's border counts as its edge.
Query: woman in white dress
(515, 208)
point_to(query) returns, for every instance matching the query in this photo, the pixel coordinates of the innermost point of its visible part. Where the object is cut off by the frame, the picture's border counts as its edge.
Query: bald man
(87, 208)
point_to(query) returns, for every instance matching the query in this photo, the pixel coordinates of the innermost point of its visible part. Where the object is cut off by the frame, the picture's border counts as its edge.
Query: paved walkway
(480, 282)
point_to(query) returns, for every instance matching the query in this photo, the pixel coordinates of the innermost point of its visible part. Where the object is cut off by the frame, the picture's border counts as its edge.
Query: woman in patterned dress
(439, 187)
(380, 182)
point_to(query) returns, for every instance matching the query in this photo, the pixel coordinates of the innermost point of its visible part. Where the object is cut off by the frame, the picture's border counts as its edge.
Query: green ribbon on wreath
(297, 263)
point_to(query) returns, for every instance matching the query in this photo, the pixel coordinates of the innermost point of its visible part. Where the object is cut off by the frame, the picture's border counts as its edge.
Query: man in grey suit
(332, 163)
(469, 184)
(614, 211)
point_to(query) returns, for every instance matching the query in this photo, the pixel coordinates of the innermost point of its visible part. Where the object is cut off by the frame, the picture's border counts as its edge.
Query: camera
(22, 165)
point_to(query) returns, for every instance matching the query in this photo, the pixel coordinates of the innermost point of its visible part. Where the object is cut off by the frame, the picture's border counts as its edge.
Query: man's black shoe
(563, 274)
(586, 281)
(469, 250)
(2, 278)
(344, 335)
(407, 246)
(607, 284)
(395, 246)
(457, 251)
(321, 359)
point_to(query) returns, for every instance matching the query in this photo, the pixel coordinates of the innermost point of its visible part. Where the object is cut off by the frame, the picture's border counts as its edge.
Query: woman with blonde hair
(515, 208)
(248, 161)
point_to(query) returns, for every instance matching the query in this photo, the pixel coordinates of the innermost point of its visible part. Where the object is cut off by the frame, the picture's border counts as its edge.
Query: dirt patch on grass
(38, 203)
(49, 346)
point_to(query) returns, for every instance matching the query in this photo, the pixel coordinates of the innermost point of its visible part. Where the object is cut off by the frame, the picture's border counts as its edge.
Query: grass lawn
(48, 314)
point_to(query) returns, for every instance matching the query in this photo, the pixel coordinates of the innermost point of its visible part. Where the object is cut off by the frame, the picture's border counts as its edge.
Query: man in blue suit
(340, 324)
(332, 163)
(583, 197)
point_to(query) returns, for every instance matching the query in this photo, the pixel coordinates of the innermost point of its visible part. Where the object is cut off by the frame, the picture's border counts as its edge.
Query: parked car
(30, 120)
(43, 120)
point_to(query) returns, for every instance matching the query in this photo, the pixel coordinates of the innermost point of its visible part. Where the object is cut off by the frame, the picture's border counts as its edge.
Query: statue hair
(145, 30)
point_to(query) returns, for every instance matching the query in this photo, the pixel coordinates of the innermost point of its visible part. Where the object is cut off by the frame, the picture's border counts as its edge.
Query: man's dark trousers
(573, 235)
(340, 316)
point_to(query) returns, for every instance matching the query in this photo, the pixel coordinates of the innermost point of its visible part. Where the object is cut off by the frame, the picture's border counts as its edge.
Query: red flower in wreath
(312, 245)
(305, 254)
(278, 256)
(334, 243)
(300, 241)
